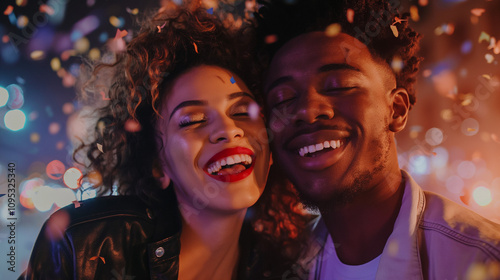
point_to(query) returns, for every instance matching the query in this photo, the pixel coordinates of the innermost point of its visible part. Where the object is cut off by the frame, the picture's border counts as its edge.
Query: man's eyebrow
(187, 103)
(337, 66)
(279, 81)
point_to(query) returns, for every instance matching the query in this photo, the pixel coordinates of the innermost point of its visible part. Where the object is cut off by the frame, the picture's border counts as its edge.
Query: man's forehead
(317, 47)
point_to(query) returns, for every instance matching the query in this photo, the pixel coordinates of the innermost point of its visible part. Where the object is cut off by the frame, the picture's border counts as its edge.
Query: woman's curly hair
(167, 45)
(371, 24)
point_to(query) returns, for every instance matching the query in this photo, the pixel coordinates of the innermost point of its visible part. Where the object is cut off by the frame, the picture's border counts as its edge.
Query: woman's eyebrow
(188, 103)
(240, 94)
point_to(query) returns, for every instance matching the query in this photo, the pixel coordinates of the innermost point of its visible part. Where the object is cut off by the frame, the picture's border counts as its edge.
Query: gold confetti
(37, 55)
(99, 146)
(394, 30)
(333, 30)
(470, 129)
(414, 13)
(195, 47)
(350, 15)
(55, 64)
(484, 37)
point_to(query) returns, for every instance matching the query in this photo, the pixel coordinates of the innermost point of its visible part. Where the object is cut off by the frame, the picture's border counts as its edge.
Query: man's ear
(400, 109)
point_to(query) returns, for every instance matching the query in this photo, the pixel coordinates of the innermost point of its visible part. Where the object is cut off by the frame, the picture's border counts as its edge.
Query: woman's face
(214, 151)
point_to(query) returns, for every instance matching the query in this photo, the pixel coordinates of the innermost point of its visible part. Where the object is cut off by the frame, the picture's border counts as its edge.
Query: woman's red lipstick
(222, 155)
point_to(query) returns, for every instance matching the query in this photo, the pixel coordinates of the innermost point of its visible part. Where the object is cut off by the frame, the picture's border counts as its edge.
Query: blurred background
(451, 144)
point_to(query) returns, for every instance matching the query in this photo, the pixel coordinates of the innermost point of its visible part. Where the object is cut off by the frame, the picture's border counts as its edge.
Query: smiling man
(334, 105)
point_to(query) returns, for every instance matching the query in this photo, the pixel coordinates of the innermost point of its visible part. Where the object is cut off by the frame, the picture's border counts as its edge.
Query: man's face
(330, 108)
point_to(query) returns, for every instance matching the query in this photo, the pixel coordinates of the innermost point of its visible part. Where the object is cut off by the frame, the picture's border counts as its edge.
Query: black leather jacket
(120, 237)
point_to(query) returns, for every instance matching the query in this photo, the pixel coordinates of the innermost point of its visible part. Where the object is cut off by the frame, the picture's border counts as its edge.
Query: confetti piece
(477, 12)
(489, 58)
(99, 147)
(414, 13)
(103, 95)
(47, 9)
(397, 64)
(394, 30)
(95, 258)
(8, 10)
(37, 55)
(132, 11)
(333, 30)
(161, 27)
(195, 47)
(495, 46)
(470, 129)
(253, 111)
(350, 15)
(21, 3)
(55, 64)
(120, 34)
(270, 39)
(398, 20)
(423, 2)
(132, 125)
(35, 137)
(210, 11)
(233, 80)
(484, 37)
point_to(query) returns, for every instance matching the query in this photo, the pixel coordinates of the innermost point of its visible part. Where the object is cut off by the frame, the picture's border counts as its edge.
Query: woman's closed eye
(192, 119)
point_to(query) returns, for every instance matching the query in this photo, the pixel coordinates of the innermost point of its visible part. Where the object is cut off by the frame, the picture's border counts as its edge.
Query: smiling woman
(191, 175)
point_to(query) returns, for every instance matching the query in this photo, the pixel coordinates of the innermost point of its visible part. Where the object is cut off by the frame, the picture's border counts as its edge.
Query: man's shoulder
(449, 218)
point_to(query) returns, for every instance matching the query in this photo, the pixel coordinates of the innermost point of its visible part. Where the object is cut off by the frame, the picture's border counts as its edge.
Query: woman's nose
(226, 130)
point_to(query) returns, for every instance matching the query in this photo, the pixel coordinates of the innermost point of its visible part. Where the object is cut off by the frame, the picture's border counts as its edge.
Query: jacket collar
(401, 256)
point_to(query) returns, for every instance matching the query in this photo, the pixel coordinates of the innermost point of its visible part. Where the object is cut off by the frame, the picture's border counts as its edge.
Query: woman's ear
(400, 109)
(165, 181)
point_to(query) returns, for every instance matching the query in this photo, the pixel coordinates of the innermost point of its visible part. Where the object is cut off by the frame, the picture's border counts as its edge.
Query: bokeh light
(466, 169)
(454, 184)
(16, 96)
(482, 196)
(4, 96)
(43, 198)
(15, 120)
(64, 197)
(470, 127)
(72, 178)
(55, 169)
(434, 136)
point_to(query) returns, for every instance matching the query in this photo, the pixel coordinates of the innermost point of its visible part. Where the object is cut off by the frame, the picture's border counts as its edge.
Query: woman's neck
(209, 244)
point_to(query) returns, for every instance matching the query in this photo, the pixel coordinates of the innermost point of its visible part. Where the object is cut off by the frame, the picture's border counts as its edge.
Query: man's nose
(312, 106)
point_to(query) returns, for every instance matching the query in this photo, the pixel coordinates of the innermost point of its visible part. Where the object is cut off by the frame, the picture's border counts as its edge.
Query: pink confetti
(161, 27)
(77, 203)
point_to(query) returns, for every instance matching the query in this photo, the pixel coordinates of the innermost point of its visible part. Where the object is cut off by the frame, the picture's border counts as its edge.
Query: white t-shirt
(330, 267)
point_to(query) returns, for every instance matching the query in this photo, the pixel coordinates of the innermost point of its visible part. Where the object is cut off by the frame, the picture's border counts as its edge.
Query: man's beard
(362, 178)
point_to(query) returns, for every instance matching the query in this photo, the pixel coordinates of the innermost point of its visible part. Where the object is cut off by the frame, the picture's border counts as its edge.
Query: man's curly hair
(371, 24)
(167, 45)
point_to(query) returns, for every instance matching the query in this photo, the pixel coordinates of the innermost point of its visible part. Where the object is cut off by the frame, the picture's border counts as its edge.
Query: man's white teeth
(230, 160)
(334, 144)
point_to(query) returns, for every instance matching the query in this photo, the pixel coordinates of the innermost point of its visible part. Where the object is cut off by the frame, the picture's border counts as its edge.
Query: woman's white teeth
(334, 144)
(230, 160)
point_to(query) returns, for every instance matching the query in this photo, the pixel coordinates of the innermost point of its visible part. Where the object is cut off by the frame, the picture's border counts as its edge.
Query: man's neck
(360, 228)
(210, 245)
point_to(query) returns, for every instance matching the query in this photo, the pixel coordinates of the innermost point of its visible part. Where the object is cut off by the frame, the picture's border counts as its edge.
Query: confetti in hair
(161, 27)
